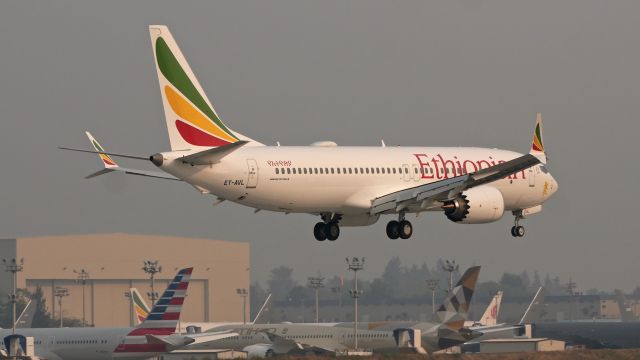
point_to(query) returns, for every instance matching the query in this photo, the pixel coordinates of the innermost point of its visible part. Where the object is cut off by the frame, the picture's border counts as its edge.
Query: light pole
(83, 276)
(14, 267)
(450, 267)
(151, 268)
(60, 292)
(571, 287)
(338, 291)
(432, 284)
(355, 265)
(316, 283)
(243, 293)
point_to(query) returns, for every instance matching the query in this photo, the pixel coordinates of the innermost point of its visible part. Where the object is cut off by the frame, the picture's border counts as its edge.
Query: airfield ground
(626, 354)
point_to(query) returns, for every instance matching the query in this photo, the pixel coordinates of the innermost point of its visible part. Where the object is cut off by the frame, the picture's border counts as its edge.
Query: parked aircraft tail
(490, 316)
(453, 311)
(192, 122)
(140, 307)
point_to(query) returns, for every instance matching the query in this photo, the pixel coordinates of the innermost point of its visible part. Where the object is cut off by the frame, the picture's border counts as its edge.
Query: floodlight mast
(60, 293)
(316, 283)
(571, 287)
(355, 265)
(243, 293)
(433, 284)
(14, 267)
(152, 267)
(450, 267)
(83, 276)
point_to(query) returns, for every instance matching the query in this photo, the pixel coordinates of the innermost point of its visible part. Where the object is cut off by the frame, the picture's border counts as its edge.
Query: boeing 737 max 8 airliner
(343, 185)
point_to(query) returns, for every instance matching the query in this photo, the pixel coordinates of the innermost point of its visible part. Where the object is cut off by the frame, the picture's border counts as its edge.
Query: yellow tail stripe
(187, 112)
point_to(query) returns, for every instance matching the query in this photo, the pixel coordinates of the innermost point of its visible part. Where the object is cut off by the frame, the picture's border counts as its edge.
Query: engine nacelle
(259, 350)
(478, 205)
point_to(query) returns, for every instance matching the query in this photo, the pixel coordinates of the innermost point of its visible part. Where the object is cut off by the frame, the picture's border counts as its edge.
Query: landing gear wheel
(332, 231)
(517, 231)
(393, 229)
(405, 229)
(319, 231)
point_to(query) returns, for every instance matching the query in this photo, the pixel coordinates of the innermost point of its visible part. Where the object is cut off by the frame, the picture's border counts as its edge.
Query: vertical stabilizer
(490, 316)
(140, 307)
(453, 312)
(192, 122)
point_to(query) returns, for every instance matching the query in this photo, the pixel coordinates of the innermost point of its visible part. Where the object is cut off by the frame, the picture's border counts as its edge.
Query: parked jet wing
(448, 189)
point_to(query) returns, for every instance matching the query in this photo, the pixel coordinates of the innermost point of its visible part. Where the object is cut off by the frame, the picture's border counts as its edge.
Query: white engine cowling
(259, 350)
(478, 205)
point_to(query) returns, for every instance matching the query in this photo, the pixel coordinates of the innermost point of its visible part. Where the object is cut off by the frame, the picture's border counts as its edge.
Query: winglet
(537, 146)
(107, 161)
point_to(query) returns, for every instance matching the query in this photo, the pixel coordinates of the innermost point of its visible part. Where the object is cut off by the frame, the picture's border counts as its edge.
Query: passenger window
(406, 170)
(361, 171)
(288, 170)
(321, 171)
(338, 170)
(349, 170)
(355, 170)
(315, 170)
(367, 170)
(305, 171)
(415, 170)
(326, 170)
(277, 171)
(344, 170)
(332, 170)
(394, 170)
(294, 170)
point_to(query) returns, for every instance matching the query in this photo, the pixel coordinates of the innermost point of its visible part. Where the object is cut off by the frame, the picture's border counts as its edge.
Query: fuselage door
(532, 177)
(252, 180)
(405, 172)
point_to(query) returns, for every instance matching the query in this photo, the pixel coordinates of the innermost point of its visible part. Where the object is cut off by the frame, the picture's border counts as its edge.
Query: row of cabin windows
(376, 170)
(81, 342)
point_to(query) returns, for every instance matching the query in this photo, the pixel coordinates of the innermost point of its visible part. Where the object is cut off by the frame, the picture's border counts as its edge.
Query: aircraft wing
(210, 336)
(447, 189)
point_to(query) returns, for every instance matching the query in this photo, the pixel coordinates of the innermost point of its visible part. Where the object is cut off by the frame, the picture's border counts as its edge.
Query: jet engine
(259, 350)
(478, 205)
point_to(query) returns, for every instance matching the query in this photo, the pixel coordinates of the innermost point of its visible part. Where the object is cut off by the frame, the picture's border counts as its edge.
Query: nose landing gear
(399, 229)
(328, 228)
(517, 230)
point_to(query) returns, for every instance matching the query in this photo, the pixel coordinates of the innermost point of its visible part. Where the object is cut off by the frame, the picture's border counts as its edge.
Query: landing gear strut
(399, 229)
(328, 228)
(517, 230)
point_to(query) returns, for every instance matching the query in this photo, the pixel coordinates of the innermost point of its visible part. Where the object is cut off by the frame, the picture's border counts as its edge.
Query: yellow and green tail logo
(139, 306)
(537, 139)
(197, 122)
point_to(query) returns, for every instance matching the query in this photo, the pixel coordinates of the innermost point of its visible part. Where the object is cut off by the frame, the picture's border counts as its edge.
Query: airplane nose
(553, 185)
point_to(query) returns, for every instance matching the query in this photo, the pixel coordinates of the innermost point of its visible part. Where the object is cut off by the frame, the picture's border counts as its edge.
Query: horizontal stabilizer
(106, 153)
(213, 155)
(172, 341)
(100, 172)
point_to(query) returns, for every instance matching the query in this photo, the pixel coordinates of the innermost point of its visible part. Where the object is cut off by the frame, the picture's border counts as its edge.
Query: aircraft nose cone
(553, 185)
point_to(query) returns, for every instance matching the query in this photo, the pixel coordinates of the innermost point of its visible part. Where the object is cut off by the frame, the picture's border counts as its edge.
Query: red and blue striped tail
(164, 316)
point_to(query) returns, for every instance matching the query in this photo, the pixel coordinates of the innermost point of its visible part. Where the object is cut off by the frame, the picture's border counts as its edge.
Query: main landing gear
(517, 230)
(399, 229)
(328, 228)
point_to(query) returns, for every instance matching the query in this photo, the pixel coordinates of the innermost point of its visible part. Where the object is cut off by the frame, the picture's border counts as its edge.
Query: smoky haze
(450, 73)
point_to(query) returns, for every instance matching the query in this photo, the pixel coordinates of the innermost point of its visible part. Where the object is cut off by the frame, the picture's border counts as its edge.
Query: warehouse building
(114, 264)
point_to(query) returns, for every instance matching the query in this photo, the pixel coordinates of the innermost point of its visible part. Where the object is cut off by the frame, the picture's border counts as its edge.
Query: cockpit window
(544, 169)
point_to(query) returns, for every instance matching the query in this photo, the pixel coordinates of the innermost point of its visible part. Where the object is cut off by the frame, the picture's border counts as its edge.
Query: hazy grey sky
(462, 72)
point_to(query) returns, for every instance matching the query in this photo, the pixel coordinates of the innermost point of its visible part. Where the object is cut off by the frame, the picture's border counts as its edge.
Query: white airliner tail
(192, 122)
(490, 316)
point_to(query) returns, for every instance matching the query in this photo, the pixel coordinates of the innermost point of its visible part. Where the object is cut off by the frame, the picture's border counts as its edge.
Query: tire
(332, 230)
(318, 232)
(405, 229)
(393, 229)
(513, 231)
(519, 231)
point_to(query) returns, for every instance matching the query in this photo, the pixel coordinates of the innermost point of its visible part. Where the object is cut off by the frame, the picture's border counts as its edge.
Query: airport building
(114, 264)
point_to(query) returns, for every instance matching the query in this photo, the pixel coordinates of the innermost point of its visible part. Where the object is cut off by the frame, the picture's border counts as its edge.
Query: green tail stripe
(538, 135)
(171, 69)
(97, 146)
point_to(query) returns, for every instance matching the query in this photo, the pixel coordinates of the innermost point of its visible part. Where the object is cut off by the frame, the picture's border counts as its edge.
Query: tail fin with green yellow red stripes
(192, 122)
(107, 161)
(537, 146)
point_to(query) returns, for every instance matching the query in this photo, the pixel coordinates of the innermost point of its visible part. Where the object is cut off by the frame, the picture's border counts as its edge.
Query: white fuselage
(314, 179)
(86, 343)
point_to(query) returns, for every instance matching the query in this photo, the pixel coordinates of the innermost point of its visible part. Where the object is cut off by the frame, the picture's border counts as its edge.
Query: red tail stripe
(152, 331)
(176, 301)
(171, 316)
(183, 286)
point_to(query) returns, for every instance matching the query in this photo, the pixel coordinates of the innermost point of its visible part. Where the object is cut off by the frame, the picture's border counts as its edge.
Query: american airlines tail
(161, 321)
(192, 122)
(490, 316)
